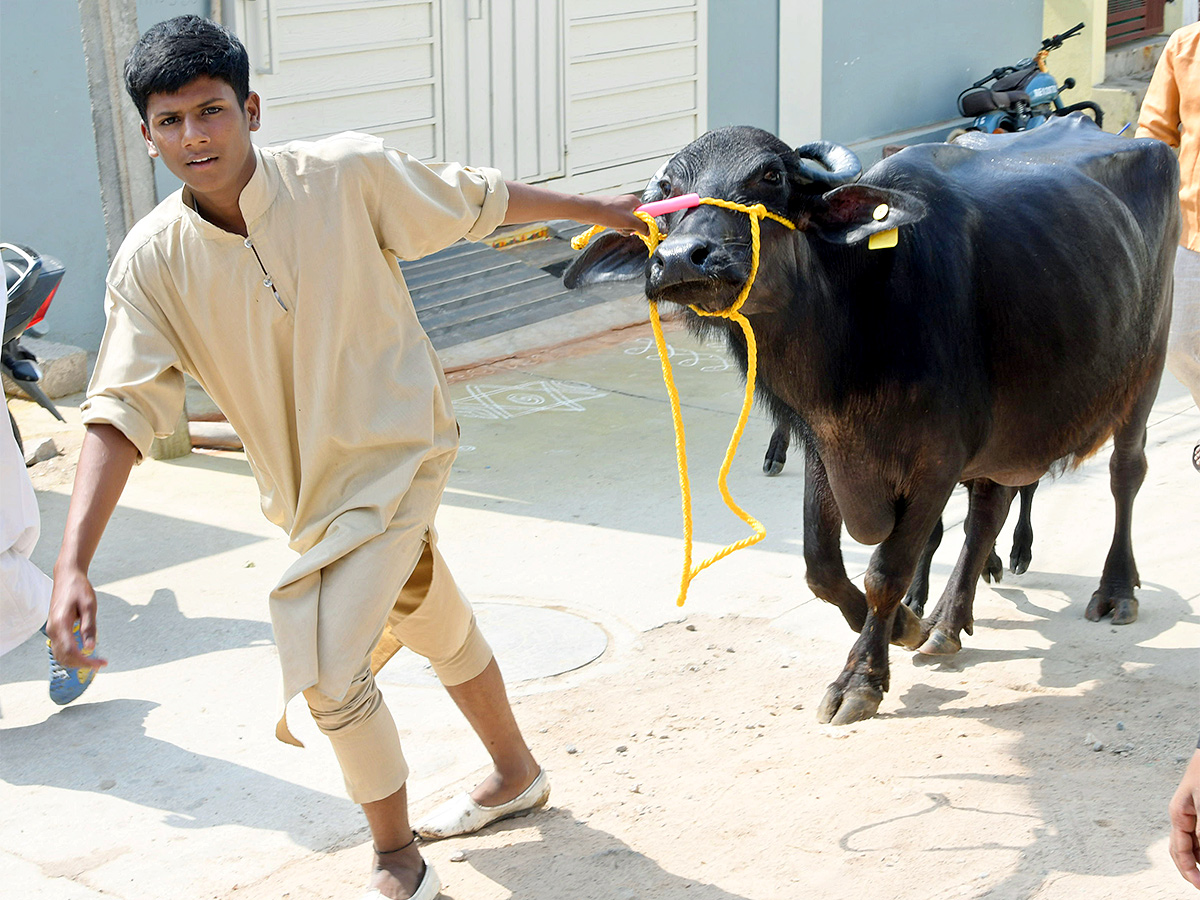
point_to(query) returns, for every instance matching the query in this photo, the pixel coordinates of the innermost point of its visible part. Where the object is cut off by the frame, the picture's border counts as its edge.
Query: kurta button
(248, 242)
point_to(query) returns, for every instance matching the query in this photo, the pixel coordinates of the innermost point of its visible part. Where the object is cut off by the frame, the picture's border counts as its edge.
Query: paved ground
(562, 523)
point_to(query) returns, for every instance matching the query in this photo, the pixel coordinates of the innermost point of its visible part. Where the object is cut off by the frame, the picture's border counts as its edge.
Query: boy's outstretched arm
(528, 203)
(104, 464)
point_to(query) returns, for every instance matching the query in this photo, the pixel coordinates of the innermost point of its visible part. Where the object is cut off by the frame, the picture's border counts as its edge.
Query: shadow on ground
(95, 749)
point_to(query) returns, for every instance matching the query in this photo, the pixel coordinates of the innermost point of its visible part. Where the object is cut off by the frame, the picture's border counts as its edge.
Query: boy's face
(202, 135)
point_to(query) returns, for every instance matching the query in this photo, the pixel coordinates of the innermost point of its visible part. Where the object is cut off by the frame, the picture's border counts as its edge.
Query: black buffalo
(1020, 322)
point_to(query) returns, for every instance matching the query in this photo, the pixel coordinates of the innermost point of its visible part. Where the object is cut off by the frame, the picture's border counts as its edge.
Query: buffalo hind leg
(987, 509)
(1022, 548)
(777, 450)
(918, 591)
(1126, 471)
(826, 570)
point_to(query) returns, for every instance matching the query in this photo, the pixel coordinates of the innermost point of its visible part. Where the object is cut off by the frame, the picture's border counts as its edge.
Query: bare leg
(484, 702)
(398, 865)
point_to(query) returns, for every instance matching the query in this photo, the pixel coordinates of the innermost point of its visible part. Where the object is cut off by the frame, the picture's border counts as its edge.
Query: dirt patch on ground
(699, 771)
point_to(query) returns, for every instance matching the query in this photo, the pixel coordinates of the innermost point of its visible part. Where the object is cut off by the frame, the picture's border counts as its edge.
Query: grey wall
(743, 63)
(49, 182)
(897, 65)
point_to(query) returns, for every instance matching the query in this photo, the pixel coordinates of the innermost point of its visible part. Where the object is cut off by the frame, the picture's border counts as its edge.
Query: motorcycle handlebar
(1053, 43)
(993, 75)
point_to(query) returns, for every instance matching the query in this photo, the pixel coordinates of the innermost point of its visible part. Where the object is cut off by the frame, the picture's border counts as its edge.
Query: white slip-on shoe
(428, 889)
(462, 815)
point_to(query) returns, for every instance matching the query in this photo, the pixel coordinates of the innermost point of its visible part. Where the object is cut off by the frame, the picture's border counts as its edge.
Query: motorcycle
(1022, 96)
(31, 280)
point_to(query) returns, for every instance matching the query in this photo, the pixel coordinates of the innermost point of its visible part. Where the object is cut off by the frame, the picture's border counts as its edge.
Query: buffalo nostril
(699, 255)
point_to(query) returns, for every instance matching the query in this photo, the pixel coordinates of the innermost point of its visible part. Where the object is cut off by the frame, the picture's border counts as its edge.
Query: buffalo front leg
(858, 691)
(825, 568)
(1127, 471)
(987, 508)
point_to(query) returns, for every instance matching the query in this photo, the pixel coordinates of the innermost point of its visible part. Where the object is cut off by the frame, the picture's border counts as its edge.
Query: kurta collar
(255, 199)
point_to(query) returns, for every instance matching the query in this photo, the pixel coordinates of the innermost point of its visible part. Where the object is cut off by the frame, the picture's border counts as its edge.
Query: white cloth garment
(24, 588)
(1183, 349)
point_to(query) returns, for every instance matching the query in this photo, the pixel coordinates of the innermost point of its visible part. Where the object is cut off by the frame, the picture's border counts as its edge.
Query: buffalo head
(706, 257)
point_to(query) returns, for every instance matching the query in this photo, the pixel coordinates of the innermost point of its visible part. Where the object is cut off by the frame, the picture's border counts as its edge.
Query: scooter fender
(32, 388)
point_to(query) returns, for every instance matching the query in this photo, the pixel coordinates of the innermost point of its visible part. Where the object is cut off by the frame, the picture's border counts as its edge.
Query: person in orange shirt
(1171, 113)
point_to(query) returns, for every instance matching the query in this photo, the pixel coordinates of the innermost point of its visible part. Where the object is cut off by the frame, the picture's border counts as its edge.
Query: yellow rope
(756, 214)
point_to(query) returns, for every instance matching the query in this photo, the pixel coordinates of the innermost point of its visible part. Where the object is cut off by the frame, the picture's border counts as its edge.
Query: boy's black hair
(176, 51)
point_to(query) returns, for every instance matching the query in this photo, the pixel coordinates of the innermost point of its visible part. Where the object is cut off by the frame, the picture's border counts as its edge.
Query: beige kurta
(324, 371)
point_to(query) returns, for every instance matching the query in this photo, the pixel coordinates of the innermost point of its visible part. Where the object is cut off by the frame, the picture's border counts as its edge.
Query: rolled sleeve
(137, 385)
(424, 208)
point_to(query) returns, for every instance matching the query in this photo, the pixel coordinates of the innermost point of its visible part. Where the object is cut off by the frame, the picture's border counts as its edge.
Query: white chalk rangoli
(507, 401)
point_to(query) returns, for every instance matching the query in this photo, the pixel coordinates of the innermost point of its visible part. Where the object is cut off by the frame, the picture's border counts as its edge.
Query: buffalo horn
(836, 164)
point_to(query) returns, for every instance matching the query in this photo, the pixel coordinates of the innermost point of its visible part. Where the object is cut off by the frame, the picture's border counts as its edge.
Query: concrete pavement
(561, 522)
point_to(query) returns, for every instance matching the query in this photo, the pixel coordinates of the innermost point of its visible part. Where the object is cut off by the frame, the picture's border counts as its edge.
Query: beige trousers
(429, 608)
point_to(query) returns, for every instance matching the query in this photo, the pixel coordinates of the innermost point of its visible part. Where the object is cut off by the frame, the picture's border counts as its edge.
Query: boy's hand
(73, 600)
(619, 216)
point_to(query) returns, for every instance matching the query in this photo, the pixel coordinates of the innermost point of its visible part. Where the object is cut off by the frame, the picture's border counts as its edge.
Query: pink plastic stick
(662, 207)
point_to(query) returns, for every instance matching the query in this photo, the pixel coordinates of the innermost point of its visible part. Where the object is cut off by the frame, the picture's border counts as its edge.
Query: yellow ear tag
(883, 240)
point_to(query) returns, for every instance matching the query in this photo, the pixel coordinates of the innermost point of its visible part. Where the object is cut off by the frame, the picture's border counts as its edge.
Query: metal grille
(1129, 20)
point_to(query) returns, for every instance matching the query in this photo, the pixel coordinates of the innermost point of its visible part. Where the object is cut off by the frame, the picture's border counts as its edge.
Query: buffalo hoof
(993, 569)
(1018, 563)
(772, 467)
(906, 628)
(1124, 609)
(940, 643)
(852, 705)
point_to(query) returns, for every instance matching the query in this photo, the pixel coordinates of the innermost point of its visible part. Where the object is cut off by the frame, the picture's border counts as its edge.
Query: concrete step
(478, 303)
(1134, 58)
(64, 369)
(1133, 85)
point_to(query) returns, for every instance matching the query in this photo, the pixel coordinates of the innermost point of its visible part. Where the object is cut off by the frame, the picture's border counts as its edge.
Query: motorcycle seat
(1014, 79)
(978, 102)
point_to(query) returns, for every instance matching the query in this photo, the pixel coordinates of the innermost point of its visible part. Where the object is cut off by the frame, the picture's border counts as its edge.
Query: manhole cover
(529, 642)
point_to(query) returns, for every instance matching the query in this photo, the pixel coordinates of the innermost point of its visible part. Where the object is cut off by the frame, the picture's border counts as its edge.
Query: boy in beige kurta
(272, 279)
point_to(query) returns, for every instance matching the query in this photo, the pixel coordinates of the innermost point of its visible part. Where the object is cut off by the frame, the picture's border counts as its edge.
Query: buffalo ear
(609, 257)
(854, 212)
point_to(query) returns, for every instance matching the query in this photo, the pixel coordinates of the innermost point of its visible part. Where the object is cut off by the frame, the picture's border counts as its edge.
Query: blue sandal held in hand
(68, 684)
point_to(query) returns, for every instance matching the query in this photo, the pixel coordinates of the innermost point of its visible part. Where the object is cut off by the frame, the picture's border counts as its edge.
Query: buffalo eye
(666, 187)
(772, 176)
